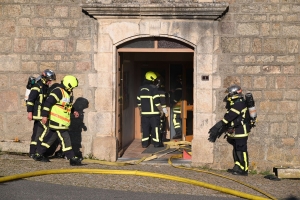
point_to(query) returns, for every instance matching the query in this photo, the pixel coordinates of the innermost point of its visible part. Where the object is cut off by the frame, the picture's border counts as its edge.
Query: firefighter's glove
(160, 111)
(230, 130)
(214, 132)
(165, 112)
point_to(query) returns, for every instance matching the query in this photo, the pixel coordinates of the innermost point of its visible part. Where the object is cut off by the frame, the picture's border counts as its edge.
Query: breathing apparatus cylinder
(31, 81)
(251, 105)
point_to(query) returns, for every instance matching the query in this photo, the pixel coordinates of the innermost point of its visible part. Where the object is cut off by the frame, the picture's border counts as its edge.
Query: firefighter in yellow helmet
(37, 96)
(57, 109)
(148, 101)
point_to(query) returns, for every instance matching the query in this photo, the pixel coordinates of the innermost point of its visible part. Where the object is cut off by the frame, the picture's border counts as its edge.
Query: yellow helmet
(150, 76)
(70, 82)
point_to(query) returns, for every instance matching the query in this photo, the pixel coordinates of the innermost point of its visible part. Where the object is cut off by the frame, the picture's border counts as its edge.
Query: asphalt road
(24, 189)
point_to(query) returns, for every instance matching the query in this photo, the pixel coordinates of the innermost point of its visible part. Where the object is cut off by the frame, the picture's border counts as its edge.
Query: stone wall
(260, 50)
(36, 35)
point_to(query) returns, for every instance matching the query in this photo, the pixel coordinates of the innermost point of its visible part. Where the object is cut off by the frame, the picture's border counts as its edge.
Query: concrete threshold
(160, 161)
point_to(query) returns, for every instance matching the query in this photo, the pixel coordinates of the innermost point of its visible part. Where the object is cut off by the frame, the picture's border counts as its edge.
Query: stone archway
(202, 34)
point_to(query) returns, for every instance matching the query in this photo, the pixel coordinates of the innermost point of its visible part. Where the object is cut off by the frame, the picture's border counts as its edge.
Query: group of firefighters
(51, 109)
(152, 105)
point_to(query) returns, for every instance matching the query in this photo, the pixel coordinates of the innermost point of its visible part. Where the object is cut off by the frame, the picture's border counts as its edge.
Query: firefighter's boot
(75, 161)
(39, 157)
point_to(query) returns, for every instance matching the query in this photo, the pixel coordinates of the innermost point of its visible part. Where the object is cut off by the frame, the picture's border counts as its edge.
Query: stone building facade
(254, 43)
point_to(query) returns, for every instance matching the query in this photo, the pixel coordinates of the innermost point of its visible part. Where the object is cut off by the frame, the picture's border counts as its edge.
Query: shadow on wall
(77, 125)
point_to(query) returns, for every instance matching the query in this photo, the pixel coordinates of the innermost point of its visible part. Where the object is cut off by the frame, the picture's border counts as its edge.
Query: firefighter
(35, 101)
(237, 118)
(148, 102)
(159, 82)
(57, 109)
(176, 107)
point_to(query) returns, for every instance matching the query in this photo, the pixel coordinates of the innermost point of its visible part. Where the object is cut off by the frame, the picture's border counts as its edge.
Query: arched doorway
(168, 57)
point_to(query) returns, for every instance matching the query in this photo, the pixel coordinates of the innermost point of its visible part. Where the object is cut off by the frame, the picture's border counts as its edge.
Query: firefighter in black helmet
(237, 118)
(148, 101)
(36, 99)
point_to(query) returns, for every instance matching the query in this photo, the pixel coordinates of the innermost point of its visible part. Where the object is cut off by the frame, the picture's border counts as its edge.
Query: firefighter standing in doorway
(58, 108)
(35, 101)
(148, 102)
(159, 82)
(176, 107)
(237, 118)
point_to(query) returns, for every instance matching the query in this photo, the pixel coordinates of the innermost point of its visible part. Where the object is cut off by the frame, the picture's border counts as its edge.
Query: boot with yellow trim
(41, 158)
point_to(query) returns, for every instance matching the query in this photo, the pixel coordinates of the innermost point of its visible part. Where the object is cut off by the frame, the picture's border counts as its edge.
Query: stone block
(293, 46)
(47, 65)
(271, 69)
(205, 45)
(70, 23)
(248, 70)
(285, 59)
(5, 45)
(20, 45)
(246, 45)
(291, 30)
(61, 32)
(121, 30)
(101, 122)
(230, 80)
(250, 29)
(202, 151)
(61, 11)
(43, 32)
(53, 22)
(105, 148)
(26, 31)
(287, 106)
(44, 10)
(256, 45)
(273, 17)
(204, 105)
(230, 45)
(93, 80)
(8, 27)
(27, 10)
(39, 22)
(227, 28)
(204, 63)
(24, 22)
(83, 46)
(260, 82)
(30, 66)
(250, 59)
(10, 101)
(11, 146)
(103, 99)
(11, 10)
(104, 62)
(265, 29)
(66, 66)
(272, 95)
(287, 172)
(53, 46)
(83, 66)
(265, 59)
(9, 63)
(105, 43)
(4, 81)
(75, 12)
(281, 82)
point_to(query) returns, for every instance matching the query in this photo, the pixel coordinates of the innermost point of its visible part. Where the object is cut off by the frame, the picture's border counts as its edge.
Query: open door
(119, 105)
(187, 103)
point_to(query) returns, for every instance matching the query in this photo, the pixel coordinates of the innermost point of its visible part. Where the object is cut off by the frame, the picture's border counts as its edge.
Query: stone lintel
(209, 11)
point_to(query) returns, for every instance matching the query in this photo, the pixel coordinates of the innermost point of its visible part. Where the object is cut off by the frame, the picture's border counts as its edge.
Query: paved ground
(18, 164)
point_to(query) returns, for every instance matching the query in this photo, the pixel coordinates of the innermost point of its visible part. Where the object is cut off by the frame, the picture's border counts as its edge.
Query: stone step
(287, 172)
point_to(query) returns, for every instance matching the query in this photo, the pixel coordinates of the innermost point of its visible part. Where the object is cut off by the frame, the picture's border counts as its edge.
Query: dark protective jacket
(37, 98)
(162, 97)
(55, 98)
(238, 118)
(148, 99)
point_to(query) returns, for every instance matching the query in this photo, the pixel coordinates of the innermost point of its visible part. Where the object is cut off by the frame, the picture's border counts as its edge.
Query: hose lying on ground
(131, 172)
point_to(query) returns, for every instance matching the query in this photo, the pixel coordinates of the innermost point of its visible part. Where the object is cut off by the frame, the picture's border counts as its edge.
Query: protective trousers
(240, 153)
(50, 138)
(177, 122)
(150, 123)
(162, 129)
(38, 133)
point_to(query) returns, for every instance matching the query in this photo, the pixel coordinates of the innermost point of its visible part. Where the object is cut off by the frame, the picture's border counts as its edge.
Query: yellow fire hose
(131, 172)
(173, 145)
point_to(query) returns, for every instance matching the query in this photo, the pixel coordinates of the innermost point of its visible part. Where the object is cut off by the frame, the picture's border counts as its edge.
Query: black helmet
(48, 75)
(234, 91)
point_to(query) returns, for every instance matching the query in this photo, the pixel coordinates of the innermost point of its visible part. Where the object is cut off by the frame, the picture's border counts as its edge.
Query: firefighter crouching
(148, 101)
(34, 103)
(237, 119)
(57, 109)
